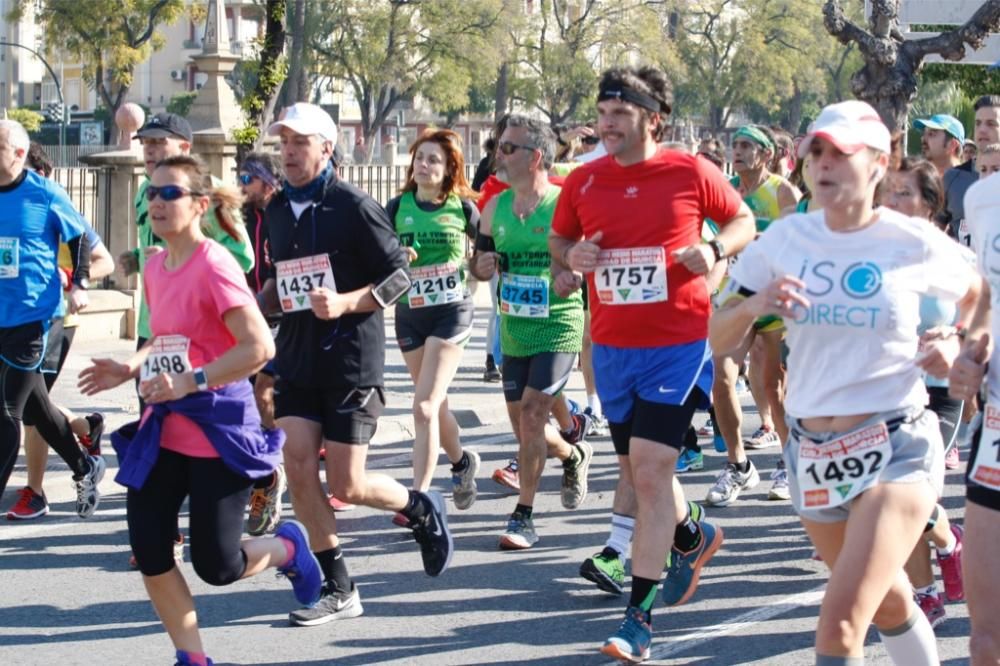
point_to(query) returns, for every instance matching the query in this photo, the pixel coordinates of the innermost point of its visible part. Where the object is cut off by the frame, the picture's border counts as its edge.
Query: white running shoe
(762, 439)
(730, 483)
(779, 488)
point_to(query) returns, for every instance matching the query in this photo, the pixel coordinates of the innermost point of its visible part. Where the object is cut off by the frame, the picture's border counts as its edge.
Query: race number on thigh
(835, 472)
(297, 277)
(629, 276)
(434, 285)
(525, 296)
(169, 354)
(9, 259)
(985, 469)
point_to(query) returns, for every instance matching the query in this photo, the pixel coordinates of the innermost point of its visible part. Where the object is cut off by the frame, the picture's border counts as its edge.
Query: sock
(289, 550)
(743, 467)
(691, 439)
(462, 464)
(416, 506)
(687, 536)
(621, 534)
(643, 593)
(574, 456)
(930, 590)
(490, 363)
(524, 510)
(950, 548)
(334, 568)
(824, 660)
(594, 403)
(912, 643)
(195, 658)
(83, 466)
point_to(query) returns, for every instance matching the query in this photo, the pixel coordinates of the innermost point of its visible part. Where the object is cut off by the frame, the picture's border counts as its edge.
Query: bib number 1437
(297, 277)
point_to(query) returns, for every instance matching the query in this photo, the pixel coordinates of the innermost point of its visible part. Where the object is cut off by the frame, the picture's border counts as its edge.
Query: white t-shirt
(852, 351)
(982, 211)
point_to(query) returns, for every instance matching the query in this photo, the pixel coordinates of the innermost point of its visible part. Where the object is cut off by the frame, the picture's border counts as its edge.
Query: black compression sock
(462, 464)
(744, 466)
(687, 536)
(334, 568)
(524, 510)
(643, 593)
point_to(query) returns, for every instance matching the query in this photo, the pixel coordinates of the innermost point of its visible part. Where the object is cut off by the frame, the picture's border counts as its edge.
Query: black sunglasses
(246, 178)
(509, 148)
(169, 192)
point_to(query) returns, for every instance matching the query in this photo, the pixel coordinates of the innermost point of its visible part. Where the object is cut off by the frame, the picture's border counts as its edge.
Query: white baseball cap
(850, 126)
(307, 119)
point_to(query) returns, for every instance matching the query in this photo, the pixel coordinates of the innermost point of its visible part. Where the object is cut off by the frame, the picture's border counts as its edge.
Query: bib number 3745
(297, 277)
(168, 355)
(986, 466)
(833, 473)
(628, 276)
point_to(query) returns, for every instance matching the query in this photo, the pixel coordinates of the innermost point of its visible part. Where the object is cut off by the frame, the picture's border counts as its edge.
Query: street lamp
(62, 103)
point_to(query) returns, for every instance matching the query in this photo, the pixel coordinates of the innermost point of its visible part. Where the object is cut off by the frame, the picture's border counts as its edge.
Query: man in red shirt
(631, 222)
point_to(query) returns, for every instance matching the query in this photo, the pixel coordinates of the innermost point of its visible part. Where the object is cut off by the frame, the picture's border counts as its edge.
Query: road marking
(672, 645)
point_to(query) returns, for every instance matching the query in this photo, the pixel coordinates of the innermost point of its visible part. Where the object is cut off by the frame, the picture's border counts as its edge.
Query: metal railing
(382, 181)
(89, 189)
(73, 153)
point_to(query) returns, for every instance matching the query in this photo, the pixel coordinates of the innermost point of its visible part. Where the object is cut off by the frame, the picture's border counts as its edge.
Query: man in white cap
(337, 265)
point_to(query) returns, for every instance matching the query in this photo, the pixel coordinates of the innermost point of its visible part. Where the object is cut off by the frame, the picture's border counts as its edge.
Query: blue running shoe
(719, 442)
(184, 659)
(303, 571)
(690, 460)
(685, 568)
(632, 640)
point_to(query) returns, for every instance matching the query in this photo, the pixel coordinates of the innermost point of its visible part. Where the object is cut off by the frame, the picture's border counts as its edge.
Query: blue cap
(943, 121)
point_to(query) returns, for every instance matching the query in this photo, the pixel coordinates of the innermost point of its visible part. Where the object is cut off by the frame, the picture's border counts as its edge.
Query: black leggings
(23, 396)
(949, 413)
(217, 500)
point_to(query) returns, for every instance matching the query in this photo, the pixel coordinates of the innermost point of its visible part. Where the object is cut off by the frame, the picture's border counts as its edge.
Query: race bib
(297, 277)
(835, 472)
(434, 285)
(985, 469)
(631, 276)
(9, 257)
(525, 296)
(964, 233)
(169, 354)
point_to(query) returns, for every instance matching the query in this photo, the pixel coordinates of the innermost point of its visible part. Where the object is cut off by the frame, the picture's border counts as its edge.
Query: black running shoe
(431, 532)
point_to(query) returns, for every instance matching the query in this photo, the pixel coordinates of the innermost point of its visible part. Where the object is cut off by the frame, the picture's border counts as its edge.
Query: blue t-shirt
(35, 214)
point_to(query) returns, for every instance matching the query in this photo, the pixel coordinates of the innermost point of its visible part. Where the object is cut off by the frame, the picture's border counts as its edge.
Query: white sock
(912, 643)
(950, 548)
(930, 589)
(594, 403)
(621, 534)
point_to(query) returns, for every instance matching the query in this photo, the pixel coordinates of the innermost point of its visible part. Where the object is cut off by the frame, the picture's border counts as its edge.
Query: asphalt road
(67, 596)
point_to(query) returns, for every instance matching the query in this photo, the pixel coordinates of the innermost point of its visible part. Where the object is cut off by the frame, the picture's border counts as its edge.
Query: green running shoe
(606, 569)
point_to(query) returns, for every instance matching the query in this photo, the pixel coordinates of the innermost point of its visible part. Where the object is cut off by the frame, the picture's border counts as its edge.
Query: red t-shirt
(660, 202)
(493, 186)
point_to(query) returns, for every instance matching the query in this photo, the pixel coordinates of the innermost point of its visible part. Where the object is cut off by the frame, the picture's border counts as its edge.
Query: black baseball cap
(165, 125)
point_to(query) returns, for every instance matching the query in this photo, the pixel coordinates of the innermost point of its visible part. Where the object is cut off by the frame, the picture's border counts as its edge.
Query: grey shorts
(917, 456)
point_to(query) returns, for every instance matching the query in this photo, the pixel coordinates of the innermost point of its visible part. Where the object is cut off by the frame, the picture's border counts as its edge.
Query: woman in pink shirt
(200, 436)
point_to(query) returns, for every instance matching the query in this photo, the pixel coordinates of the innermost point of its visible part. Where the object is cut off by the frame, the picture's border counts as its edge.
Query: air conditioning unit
(177, 74)
(199, 86)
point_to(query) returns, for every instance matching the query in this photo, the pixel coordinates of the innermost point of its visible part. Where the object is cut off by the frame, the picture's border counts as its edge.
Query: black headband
(624, 94)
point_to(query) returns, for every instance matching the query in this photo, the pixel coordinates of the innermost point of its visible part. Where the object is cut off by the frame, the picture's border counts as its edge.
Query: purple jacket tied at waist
(229, 418)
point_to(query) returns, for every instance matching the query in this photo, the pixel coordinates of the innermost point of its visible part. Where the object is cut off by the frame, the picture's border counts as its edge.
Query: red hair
(454, 173)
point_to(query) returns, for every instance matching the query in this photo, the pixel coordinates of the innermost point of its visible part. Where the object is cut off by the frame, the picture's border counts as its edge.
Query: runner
(31, 501)
(337, 265)
(988, 160)
(37, 215)
(915, 189)
(982, 508)
(260, 179)
(941, 141)
(541, 330)
(640, 210)
(195, 442)
(766, 194)
(864, 459)
(433, 216)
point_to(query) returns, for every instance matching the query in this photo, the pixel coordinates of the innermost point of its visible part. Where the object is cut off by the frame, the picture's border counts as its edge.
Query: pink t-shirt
(191, 301)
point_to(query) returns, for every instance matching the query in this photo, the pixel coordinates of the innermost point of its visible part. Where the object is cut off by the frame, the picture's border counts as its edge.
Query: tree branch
(951, 45)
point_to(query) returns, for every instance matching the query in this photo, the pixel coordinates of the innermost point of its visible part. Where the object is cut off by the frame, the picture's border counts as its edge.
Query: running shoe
(951, 568)
(433, 536)
(338, 505)
(399, 519)
(333, 604)
(729, 484)
(265, 505)
(574, 477)
(184, 659)
(606, 569)
(491, 373)
(742, 388)
(520, 534)
(707, 430)
(303, 569)
(763, 438)
(463, 484)
(779, 486)
(29, 505)
(87, 494)
(685, 568)
(632, 640)
(696, 513)
(509, 476)
(598, 424)
(932, 606)
(690, 460)
(951, 459)
(581, 425)
(91, 442)
(719, 442)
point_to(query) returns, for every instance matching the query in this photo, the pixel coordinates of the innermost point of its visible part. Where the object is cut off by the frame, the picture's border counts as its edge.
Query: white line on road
(676, 644)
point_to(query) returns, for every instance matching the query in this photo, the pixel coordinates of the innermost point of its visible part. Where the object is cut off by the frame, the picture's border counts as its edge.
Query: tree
(108, 37)
(259, 100)
(181, 103)
(389, 51)
(888, 79)
(30, 120)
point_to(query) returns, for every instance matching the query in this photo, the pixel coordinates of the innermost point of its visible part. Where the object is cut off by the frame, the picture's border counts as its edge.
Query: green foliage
(181, 103)
(973, 80)
(30, 120)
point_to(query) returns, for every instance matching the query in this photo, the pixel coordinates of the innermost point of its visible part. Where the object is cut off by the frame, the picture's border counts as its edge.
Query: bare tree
(888, 80)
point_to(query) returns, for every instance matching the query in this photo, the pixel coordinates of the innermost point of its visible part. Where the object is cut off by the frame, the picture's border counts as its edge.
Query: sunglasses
(168, 192)
(508, 148)
(246, 178)
(591, 140)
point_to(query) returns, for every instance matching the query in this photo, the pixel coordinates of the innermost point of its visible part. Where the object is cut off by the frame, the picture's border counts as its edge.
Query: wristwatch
(200, 379)
(82, 283)
(718, 249)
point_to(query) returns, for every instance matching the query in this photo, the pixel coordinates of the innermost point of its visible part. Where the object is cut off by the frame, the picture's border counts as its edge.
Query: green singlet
(533, 319)
(764, 200)
(438, 237)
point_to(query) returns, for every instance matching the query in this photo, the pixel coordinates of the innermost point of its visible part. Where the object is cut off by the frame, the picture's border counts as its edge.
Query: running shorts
(547, 373)
(56, 350)
(976, 492)
(23, 346)
(451, 323)
(347, 416)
